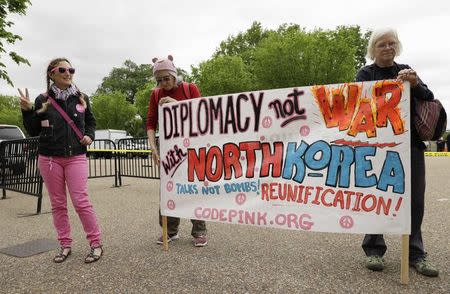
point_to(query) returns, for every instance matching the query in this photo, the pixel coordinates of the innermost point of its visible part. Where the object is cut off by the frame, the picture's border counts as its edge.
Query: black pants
(375, 245)
(198, 226)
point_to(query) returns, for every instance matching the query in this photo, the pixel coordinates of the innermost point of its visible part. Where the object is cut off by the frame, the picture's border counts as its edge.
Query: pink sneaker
(200, 241)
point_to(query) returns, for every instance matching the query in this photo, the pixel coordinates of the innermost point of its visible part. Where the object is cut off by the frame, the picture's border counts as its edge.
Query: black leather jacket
(58, 139)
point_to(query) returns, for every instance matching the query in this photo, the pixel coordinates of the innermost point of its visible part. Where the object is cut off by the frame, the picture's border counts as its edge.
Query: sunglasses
(62, 70)
(163, 79)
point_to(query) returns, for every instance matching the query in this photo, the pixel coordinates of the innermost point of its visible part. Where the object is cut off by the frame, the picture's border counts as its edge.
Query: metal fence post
(19, 172)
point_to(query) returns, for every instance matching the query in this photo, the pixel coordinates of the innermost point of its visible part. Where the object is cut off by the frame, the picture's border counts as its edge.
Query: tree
(142, 100)
(243, 44)
(141, 104)
(222, 75)
(184, 75)
(127, 79)
(135, 127)
(10, 112)
(131, 78)
(285, 57)
(359, 40)
(112, 111)
(300, 58)
(9, 7)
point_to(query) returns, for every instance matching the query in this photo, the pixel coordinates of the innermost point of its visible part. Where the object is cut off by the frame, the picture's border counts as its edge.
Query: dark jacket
(374, 73)
(58, 139)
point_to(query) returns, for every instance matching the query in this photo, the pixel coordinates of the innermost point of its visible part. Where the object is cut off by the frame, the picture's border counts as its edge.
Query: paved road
(239, 259)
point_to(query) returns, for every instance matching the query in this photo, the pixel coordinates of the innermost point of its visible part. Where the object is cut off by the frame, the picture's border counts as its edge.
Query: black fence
(19, 169)
(128, 158)
(135, 159)
(102, 160)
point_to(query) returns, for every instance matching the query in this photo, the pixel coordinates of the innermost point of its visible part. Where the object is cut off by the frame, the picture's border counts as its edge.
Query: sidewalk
(238, 259)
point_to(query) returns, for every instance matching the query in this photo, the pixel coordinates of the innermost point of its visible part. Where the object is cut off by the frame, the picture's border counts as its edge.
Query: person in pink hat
(169, 89)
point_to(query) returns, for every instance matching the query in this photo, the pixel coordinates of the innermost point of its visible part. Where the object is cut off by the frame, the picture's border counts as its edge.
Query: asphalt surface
(238, 259)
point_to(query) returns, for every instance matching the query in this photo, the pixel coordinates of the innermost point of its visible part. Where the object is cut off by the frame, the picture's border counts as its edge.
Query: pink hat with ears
(164, 64)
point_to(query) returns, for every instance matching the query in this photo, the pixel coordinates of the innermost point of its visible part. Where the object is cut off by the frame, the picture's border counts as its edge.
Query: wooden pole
(164, 233)
(404, 270)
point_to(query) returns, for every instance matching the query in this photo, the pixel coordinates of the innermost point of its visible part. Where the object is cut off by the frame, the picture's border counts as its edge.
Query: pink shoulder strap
(65, 116)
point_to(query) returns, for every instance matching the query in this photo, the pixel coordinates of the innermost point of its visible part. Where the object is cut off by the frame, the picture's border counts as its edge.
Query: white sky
(97, 35)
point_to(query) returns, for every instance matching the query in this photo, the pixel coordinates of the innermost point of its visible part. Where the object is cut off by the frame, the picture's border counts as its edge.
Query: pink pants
(58, 172)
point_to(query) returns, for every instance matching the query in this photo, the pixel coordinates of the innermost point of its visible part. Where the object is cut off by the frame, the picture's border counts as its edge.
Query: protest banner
(330, 158)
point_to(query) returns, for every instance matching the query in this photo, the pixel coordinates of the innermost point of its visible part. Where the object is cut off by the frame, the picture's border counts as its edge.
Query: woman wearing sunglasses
(62, 152)
(170, 89)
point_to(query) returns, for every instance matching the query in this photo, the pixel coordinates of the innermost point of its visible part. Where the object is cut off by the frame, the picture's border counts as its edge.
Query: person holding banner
(63, 120)
(383, 47)
(170, 89)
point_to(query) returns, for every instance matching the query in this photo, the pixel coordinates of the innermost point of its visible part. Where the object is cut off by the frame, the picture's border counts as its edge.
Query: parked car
(13, 162)
(10, 132)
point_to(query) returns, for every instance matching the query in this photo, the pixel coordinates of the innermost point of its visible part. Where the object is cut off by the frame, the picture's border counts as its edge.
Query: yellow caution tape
(122, 150)
(437, 153)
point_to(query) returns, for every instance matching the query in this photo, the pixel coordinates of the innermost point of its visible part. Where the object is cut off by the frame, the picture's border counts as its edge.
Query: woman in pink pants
(62, 152)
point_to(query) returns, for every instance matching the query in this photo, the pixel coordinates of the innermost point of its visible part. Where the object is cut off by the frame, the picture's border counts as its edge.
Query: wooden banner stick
(164, 233)
(404, 269)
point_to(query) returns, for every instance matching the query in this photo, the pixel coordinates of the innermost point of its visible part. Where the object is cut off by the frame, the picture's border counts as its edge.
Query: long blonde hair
(50, 67)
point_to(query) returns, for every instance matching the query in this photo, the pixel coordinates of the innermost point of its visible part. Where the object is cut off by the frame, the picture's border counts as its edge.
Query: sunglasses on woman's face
(163, 79)
(62, 70)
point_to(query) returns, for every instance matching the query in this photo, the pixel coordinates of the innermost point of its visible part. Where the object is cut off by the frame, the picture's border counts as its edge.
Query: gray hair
(377, 35)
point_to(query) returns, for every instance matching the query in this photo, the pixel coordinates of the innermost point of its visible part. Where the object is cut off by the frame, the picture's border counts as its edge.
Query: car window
(10, 134)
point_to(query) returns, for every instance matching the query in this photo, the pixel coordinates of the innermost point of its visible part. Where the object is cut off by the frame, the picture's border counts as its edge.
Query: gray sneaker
(170, 238)
(426, 268)
(375, 263)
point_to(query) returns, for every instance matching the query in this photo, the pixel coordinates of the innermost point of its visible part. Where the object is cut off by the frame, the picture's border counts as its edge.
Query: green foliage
(286, 57)
(243, 44)
(131, 78)
(358, 41)
(127, 79)
(10, 112)
(222, 75)
(142, 100)
(135, 127)
(183, 74)
(10, 7)
(300, 58)
(112, 111)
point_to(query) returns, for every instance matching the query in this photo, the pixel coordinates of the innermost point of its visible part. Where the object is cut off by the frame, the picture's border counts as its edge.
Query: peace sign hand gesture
(25, 102)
